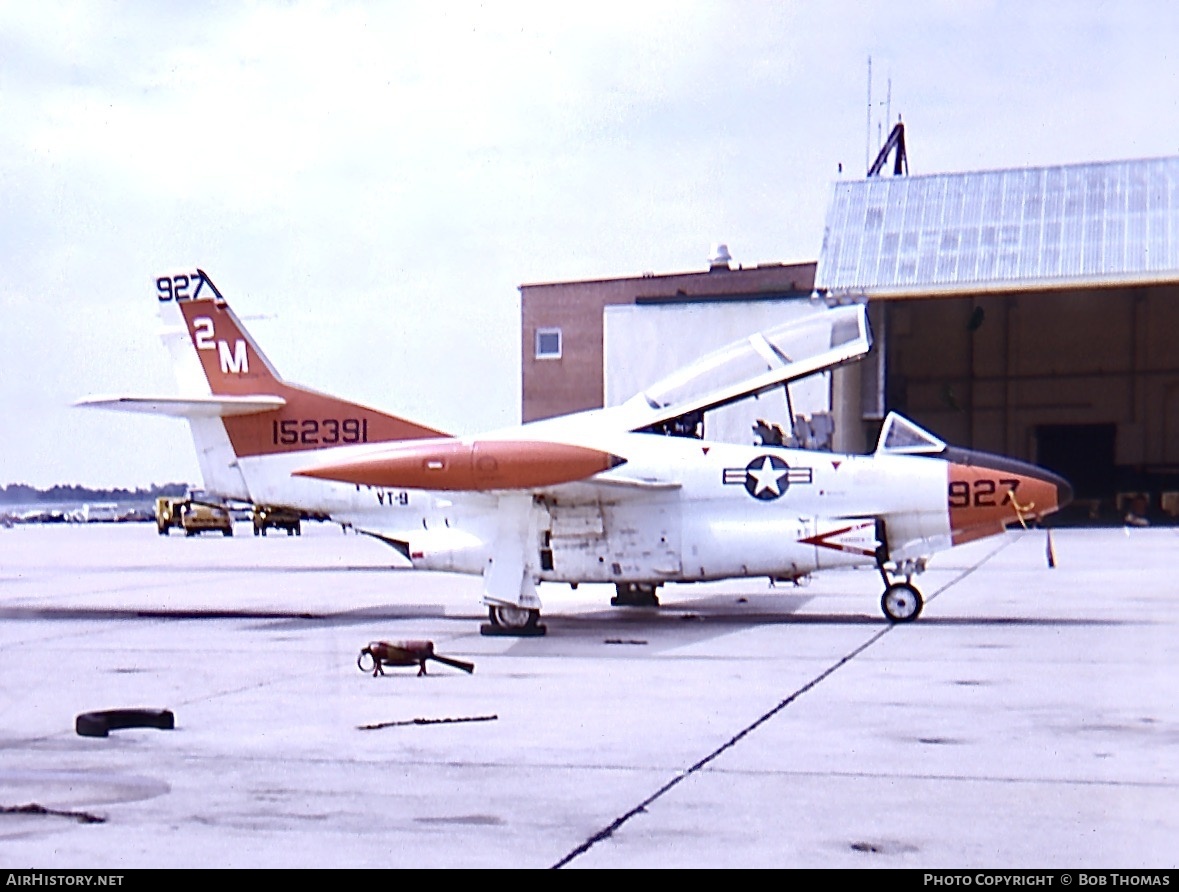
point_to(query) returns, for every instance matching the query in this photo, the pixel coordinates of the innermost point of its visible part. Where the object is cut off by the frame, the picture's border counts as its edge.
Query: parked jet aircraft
(632, 495)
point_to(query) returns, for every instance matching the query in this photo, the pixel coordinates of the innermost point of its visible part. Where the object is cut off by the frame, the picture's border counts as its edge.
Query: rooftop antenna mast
(868, 135)
(894, 145)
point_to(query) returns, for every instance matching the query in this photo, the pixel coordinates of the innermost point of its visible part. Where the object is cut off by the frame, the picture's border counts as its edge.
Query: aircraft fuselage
(687, 510)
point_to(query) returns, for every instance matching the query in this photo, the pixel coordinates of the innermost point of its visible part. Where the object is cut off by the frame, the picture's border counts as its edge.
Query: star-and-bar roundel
(767, 477)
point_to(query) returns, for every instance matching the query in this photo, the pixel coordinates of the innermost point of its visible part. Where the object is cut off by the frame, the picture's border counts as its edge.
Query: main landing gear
(635, 594)
(512, 621)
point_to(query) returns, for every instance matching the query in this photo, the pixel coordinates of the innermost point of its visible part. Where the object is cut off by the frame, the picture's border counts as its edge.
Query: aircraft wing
(754, 365)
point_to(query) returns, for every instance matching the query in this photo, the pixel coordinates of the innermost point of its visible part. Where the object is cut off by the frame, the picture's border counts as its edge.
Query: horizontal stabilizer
(186, 407)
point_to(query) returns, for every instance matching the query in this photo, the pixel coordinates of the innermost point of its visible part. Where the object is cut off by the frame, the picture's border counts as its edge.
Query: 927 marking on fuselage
(982, 492)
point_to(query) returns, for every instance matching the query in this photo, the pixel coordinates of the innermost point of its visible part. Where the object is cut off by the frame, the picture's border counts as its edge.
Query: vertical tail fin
(230, 364)
(245, 418)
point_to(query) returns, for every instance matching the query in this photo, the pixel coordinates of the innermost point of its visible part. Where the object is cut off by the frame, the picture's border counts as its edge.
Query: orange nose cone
(457, 465)
(987, 494)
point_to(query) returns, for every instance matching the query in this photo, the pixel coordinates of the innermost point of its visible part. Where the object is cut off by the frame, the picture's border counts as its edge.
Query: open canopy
(757, 363)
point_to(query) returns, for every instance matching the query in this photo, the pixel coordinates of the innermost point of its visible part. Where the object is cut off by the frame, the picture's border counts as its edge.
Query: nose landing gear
(901, 601)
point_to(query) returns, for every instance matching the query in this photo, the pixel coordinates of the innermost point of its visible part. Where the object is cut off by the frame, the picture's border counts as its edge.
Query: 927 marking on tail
(176, 287)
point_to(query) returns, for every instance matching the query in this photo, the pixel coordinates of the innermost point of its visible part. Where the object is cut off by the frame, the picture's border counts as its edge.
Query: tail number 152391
(319, 431)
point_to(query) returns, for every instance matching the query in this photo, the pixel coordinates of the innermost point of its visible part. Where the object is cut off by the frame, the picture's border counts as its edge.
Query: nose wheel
(901, 602)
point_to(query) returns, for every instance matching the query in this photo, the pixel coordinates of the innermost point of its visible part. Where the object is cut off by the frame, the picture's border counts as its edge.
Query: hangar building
(1032, 312)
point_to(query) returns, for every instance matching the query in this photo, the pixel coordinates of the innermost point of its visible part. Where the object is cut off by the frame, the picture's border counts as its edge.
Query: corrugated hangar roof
(1083, 224)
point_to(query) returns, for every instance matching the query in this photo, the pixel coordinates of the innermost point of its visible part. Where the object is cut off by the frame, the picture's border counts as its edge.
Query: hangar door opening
(1081, 453)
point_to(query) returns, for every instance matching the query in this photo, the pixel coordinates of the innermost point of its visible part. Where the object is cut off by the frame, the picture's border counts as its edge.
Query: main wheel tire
(635, 594)
(511, 617)
(101, 723)
(901, 602)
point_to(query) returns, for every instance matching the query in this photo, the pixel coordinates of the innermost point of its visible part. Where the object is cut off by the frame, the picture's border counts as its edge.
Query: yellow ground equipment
(277, 518)
(168, 514)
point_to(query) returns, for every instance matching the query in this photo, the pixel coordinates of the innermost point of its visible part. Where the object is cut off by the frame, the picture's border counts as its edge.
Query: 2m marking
(318, 431)
(983, 493)
(233, 362)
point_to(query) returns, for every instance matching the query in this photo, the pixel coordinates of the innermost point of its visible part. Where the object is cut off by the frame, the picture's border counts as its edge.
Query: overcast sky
(371, 182)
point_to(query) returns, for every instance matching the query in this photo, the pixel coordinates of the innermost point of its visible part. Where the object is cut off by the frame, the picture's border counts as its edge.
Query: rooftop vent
(720, 259)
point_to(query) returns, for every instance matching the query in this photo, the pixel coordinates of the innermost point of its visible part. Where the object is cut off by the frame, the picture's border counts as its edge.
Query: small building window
(548, 343)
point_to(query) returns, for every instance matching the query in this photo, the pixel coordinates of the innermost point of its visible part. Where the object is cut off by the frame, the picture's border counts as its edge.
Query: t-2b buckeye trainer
(631, 495)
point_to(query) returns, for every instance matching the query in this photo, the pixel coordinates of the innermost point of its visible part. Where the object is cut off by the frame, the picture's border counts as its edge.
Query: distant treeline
(23, 494)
